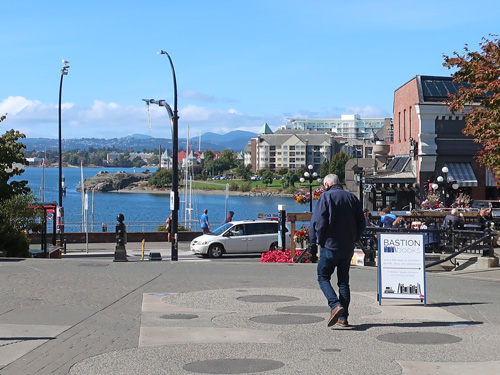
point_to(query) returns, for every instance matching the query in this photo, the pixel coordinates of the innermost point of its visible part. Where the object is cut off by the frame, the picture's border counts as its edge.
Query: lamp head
(435, 186)
(310, 167)
(306, 174)
(445, 170)
(302, 179)
(440, 179)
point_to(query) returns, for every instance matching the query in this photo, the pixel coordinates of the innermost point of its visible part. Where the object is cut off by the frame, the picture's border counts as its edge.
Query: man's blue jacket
(337, 221)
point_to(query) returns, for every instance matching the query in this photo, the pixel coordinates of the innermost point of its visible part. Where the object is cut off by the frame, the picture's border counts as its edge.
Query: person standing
(168, 227)
(205, 225)
(386, 218)
(229, 217)
(336, 225)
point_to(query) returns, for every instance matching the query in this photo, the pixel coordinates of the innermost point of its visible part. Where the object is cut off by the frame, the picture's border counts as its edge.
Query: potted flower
(302, 236)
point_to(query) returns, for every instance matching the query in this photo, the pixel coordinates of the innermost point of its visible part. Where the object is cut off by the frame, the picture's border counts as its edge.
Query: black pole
(60, 209)
(310, 195)
(175, 166)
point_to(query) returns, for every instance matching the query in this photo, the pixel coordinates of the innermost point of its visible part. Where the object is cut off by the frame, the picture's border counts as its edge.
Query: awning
(462, 173)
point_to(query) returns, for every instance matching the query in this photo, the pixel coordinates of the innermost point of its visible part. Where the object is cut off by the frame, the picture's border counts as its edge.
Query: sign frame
(401, 266)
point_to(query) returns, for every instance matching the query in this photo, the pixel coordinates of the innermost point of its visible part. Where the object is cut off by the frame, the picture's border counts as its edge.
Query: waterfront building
(426, 138)
(291, 149)
(347, 126)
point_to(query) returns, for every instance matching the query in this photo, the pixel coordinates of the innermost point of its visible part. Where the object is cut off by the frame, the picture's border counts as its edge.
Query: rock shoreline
(133, 183)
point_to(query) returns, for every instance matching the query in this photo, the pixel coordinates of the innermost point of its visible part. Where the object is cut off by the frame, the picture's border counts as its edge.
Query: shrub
(246, 186)
(234, 186)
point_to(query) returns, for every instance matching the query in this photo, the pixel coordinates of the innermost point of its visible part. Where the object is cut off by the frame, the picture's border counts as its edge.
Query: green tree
(289, 180)
(161, 178)
(337, 165)
(14, 195)
(244, 171)
(479, 77)
(138, 162)
(267, 177)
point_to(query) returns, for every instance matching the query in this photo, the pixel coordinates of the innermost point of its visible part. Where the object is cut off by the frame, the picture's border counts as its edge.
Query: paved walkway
(95, 316)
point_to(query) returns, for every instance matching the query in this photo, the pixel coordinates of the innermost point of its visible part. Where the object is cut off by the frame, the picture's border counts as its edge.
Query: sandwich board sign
(401, 266)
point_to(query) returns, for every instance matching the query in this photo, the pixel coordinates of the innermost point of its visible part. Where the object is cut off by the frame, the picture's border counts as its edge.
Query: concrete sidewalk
(95, 316)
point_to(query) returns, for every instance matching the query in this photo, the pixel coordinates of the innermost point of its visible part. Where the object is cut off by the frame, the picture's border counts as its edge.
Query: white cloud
(111, 120)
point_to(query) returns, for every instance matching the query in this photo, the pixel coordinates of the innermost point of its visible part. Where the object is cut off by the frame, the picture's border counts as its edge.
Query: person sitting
(431, 237)
(386, 218)
(399, 223)
(452, 220)
(483, 218)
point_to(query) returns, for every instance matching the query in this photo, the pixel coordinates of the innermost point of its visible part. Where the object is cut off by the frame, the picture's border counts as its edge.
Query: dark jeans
(328, 261)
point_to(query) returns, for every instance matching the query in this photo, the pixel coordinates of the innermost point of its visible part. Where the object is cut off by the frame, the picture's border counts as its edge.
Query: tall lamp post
(60, 209)
(174, 124)
(310, 176)
(445, 184)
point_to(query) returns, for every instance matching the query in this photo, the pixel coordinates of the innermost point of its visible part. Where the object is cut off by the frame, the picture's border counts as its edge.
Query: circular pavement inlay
(179, 316)
(267, 298)
(419, 338)
(286, 319)
(233, 366)
(305, 309)
(93, 264)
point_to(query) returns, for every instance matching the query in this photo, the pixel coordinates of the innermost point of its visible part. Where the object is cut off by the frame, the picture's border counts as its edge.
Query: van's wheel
(274, 246)
(215, 251)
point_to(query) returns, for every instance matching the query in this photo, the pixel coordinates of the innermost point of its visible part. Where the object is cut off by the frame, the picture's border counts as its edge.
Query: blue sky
(238, 63)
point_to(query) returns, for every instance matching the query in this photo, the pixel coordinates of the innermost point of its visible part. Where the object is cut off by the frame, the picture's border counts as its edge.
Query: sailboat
(188, 186)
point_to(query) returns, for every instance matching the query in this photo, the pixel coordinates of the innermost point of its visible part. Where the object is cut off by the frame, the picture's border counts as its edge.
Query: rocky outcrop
(104, 182)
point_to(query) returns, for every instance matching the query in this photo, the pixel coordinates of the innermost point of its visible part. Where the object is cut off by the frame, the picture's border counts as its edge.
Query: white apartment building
(290, 149)
(347, 126)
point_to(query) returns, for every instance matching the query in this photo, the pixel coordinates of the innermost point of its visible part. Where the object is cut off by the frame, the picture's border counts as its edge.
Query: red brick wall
(405, 118)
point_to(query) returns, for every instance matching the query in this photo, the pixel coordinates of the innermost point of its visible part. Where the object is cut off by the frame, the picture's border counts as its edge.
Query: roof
(265, 129)
(437, 89)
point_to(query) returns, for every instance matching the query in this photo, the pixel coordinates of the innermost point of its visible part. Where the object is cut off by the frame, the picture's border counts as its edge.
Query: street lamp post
(174, 124)
(443, 184)
(310, 176)
(60, 209)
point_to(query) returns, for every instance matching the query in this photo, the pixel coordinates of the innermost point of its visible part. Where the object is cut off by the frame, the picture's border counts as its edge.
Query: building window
(404, 124)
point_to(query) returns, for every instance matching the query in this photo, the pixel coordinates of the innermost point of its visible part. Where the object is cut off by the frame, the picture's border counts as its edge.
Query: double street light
(174, 124)
(310, 176)
(60, 209)
(445, 184)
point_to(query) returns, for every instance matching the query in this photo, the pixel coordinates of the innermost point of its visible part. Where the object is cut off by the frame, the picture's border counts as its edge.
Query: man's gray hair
(331, 179)
(454, 212)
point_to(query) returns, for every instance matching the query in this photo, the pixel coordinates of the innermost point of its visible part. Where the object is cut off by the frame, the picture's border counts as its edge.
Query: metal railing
(439, 241)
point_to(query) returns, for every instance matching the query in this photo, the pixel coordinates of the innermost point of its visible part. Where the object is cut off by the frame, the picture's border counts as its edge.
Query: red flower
(275, 256)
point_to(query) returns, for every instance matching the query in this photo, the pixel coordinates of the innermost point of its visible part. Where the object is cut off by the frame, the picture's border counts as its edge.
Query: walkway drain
(305, 309)
(330, 350)
(419, 338)
(286, 319)
(267, 298)
(179, 316)
(233, 366)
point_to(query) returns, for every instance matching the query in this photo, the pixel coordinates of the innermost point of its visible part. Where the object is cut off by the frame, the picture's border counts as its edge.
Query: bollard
(121, 240)
(64, 245)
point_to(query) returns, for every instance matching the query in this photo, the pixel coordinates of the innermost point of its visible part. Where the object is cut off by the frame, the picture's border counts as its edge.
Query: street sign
(401, 266)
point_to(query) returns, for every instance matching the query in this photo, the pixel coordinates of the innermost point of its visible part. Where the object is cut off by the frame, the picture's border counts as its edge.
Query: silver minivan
(238, 237)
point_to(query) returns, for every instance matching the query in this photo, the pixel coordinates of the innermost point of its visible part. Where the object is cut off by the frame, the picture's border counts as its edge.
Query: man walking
(336, 225)
(205, 225)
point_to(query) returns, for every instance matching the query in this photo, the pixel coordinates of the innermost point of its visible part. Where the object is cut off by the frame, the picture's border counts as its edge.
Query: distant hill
(235, 141)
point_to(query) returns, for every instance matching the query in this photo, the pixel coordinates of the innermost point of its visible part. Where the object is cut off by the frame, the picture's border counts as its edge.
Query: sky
(238, 64)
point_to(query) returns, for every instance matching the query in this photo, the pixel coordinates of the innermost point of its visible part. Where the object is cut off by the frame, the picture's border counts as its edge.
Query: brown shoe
(342, 323)
(334, 316)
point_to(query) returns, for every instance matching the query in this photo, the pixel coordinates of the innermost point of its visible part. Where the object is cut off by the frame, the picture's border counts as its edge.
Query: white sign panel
(401, 266)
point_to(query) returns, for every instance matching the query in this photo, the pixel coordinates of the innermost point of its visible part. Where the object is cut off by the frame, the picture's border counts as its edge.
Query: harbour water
(143, 211)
